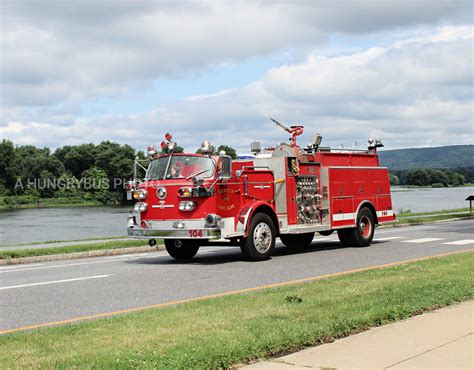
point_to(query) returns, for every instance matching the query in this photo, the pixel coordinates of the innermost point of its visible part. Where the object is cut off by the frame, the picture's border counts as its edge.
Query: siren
(206, 147)
(151, 151)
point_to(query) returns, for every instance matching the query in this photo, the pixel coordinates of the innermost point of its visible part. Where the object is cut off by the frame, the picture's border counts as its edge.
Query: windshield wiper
(197, 174)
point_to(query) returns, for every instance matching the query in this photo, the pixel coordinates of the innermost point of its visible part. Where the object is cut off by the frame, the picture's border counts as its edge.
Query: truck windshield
(178, 167)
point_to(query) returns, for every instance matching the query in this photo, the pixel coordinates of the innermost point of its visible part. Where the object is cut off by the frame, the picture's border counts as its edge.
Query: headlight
(184, 192)
(140, 207)
(139, 194)
(187, 206)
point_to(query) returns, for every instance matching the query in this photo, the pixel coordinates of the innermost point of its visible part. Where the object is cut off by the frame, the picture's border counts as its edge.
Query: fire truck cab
(290, 192)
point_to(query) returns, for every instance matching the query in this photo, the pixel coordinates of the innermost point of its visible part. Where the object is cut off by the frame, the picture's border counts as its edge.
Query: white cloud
(416, 92)
(55, 51)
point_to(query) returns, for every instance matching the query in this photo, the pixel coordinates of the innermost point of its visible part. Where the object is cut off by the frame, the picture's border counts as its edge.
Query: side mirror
(225, 167)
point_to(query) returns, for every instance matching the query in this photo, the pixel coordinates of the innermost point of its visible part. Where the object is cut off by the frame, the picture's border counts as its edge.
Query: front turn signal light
(184, 192)
(139, 194)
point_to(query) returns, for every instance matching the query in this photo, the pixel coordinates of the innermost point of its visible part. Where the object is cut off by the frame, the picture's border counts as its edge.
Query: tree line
(95, 172)
(86, 172)
(432, 177)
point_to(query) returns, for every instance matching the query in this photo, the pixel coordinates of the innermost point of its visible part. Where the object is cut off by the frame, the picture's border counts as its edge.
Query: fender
(371, 206)
(246, 213)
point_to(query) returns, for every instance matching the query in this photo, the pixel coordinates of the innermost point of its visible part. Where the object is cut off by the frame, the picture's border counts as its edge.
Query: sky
(83, 71)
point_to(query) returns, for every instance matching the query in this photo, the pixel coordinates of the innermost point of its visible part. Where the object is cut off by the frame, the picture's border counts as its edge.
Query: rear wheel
(259, 244)
(181, 249)
(365, 227)
(362, 234)
(297, 241)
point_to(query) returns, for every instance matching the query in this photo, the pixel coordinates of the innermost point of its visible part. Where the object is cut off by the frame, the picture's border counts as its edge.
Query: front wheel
(259, 244)
(181, 249)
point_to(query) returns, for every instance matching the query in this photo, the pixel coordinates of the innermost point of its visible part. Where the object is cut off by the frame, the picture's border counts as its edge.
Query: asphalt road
(50, 292)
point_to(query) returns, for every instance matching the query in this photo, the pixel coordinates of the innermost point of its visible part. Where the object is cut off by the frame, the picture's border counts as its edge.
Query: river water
(23, 226)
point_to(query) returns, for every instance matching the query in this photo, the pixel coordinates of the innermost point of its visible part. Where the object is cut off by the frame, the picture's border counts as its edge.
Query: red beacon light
(168, 143)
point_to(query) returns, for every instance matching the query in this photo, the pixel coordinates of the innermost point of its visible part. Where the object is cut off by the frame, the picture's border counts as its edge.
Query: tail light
(187, 206)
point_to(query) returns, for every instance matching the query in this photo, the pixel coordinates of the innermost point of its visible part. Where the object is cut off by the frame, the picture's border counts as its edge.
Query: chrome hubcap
(262, 237)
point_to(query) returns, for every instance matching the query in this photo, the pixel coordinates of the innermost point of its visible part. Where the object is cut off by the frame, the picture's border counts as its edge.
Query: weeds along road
(56, 291)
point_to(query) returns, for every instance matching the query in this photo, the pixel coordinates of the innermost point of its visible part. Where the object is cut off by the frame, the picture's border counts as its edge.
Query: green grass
(73, 248)
(232, 329)
(7, 203)
(416, 218)
(409, 214)
(63, 240)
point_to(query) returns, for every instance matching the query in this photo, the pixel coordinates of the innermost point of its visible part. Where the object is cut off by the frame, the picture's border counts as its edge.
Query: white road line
(53, 282)
(461, 242)
(422, 240)
(20, 266)
(66, 265)
(389, 238)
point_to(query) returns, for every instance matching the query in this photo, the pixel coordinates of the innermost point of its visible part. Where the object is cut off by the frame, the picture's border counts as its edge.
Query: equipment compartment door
(259, 186)
(342, 210)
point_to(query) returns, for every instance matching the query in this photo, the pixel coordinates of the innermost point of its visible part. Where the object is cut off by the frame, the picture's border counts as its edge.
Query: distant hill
(453, 156)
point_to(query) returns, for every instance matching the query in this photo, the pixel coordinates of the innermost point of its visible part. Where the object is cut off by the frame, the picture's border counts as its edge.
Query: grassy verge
(63, 240)
(223, 331)
(72, 248)
(414, 218)
(417, 220)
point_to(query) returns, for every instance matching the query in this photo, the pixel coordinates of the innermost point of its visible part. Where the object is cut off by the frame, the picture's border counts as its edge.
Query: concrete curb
(71, 256)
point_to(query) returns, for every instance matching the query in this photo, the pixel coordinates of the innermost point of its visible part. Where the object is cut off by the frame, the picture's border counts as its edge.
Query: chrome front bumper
(173, 229)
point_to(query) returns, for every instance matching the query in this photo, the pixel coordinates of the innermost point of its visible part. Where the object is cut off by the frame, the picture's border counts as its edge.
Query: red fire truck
(290, 192)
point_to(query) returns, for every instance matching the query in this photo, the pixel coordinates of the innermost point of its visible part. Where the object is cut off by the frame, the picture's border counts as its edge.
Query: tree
(438, 177)
(216, 150)
(8, 168)
(96, 185)
(228, 150)
(394, 180)
(418, 177)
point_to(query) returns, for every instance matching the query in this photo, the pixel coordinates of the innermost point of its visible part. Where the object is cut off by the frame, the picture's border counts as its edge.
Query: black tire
(344, 236)
(181, 249)
(297, 241)
(362, 234)
(260, 243)
(364, 231)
